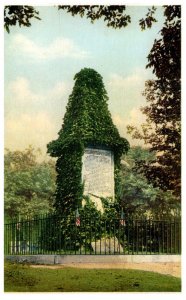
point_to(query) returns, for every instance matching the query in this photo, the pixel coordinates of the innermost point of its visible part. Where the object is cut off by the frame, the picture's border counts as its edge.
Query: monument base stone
(107, 245)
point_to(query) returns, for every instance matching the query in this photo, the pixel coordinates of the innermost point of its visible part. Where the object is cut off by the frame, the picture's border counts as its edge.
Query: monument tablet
(98, 172)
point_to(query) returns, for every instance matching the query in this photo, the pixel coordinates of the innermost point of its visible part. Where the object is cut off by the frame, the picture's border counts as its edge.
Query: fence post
(40, 235)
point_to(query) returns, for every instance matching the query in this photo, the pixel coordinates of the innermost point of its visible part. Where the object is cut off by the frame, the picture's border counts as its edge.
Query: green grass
(23, 278)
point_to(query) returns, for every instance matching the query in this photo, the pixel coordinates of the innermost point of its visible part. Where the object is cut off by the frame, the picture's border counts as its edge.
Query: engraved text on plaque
(98, 172)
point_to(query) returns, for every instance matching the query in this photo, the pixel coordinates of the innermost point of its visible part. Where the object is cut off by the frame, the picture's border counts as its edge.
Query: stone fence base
(69, 259)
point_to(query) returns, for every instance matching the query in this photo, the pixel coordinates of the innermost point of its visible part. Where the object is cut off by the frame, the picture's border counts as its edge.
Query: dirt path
(173, 269)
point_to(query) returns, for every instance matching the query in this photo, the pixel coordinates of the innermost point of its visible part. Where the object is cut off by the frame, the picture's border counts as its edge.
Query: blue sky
(41, 61)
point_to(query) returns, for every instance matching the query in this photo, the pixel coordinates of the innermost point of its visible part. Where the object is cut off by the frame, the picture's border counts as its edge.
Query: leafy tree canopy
(18, 14)
(113, 15)
(162, 131)
(29, 185)
(138, 197)
(163, 127)
(29, 188)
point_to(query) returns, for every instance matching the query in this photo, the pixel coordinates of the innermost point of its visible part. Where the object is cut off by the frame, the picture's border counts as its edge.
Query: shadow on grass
(23, 278)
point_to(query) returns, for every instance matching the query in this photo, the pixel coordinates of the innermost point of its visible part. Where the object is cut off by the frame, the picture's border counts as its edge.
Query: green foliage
(147, 22)
(112, 210)
(113, 15)
(89, 209)
(29, 185)
(87, 122)
(68, 183)
(162, 130)
(64, 234)
(136, 193)
(138, 196)
(14, 14)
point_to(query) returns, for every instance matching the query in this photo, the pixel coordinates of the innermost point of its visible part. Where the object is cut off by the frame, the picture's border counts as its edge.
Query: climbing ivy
(87, 122)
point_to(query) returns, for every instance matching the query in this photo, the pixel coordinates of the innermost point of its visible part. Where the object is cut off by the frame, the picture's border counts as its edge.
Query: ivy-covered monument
(88, 148)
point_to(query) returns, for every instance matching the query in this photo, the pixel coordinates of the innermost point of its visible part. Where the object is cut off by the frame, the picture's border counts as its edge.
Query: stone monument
(98, 174)
(88, 148)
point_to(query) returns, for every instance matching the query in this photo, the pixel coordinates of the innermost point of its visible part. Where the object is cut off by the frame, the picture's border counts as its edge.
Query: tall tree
(138, 196)
(87, 122)
(29, 185)
(163, 128)
(162, 131)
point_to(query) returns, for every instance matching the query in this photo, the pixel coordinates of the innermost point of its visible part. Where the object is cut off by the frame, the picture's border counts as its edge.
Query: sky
(42, 60)
(39, 66)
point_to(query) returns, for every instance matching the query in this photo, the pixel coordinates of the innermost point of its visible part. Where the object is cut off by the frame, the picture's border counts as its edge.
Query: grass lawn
(23, 278)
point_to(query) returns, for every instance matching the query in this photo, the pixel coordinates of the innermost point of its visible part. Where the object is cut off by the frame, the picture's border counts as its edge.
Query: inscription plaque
(98, 172)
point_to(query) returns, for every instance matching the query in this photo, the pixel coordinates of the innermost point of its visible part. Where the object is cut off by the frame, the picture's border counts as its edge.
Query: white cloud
(135, 118)
(20, 95)
(126, 91)
(126, 99)
(27, 129)
(21, 92)
(59, 48)
(118, 121)
(33, 118)
(130, 81)
(58, 90)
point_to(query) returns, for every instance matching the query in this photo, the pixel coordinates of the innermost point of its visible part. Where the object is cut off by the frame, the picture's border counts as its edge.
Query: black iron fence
(54, 234)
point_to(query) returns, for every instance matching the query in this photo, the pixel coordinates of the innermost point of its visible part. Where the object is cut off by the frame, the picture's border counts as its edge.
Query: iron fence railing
(54, 234)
